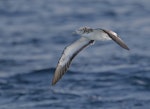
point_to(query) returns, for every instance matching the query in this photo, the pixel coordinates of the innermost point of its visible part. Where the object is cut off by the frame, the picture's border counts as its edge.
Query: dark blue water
(33, 34)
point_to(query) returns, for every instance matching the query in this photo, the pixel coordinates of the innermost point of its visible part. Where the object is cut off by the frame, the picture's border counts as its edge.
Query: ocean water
(33, 34)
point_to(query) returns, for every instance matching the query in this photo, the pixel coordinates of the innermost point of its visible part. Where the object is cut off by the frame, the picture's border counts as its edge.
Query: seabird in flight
(88, 37)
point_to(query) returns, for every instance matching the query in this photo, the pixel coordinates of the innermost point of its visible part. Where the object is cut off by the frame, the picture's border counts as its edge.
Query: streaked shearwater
(88, 37)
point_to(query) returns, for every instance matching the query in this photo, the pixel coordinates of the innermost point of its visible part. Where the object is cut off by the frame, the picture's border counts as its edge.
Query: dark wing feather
(68, 55)
(116, 39)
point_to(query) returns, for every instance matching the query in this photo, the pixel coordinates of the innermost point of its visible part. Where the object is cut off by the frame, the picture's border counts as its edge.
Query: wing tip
(126, 47)
(55, 77)
(53, 82)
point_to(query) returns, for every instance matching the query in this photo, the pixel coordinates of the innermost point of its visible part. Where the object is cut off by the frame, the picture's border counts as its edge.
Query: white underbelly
(97, 35)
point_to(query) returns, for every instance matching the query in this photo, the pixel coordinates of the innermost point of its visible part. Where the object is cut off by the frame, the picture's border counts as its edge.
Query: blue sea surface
(33, 34)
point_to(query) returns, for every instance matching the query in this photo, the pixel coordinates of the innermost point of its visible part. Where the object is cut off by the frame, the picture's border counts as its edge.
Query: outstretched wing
(116, 38)
(68, 54)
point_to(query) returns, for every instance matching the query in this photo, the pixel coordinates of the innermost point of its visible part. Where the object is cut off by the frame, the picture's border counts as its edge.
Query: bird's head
(83, 30)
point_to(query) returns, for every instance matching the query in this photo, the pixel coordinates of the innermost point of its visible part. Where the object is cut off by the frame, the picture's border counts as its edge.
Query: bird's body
(96, 34)
(89, 35)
